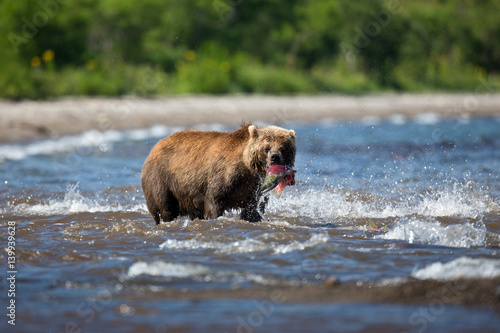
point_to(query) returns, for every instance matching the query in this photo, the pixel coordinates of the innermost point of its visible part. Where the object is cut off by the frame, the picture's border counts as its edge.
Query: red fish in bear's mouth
(277, 177)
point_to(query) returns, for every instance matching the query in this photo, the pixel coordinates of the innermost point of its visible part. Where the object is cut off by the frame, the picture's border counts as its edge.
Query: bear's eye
(267, 149)
(281, 150)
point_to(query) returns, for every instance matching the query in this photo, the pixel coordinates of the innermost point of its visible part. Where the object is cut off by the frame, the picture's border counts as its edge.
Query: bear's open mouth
(275, 163)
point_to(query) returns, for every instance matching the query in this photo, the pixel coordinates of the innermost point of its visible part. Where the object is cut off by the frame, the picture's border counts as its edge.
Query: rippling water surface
(90, 258)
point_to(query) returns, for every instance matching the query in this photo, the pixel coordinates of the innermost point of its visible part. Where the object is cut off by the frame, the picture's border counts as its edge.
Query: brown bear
(202, 174)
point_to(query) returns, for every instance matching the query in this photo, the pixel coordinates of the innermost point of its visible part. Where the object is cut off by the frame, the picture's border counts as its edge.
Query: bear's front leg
(214, 199)
(250, 213)
(251, 207)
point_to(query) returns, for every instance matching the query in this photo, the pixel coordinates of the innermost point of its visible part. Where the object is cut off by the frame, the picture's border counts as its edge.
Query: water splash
(73, 202)
(460, 199)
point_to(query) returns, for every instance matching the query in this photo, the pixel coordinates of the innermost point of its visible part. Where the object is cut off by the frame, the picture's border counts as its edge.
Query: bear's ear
(254, 132)
(292, 133)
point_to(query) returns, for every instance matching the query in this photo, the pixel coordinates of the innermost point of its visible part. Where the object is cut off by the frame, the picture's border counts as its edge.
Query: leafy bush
(255, 78)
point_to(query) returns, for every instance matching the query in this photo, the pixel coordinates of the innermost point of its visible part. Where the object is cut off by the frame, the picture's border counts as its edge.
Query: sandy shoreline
(28, 120)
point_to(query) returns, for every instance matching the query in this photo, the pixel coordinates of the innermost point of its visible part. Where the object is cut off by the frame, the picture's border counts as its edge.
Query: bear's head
(270, 145)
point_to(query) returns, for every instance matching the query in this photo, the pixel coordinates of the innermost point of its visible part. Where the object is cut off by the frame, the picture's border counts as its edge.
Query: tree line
(53, 48)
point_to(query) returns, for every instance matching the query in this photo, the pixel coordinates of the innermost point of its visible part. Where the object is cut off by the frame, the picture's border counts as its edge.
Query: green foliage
(338, 77)
(118, 47)
(273, 80)
(207, 73)
(203, 76)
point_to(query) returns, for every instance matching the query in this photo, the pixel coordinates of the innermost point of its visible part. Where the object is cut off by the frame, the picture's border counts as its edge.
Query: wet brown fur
(201, 174)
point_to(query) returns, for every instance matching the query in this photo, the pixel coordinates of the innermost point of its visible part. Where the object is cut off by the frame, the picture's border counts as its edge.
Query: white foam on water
(240, 246)
(458, 200)
(165, 269)
(322, 204)
(247, 245)
(92, 139)
(392, 281)
(73, 202)
(86, 140)
(431, 232)
(461, 268)
(201, 273)
(397, 119)
(315, 239)
(427, 118)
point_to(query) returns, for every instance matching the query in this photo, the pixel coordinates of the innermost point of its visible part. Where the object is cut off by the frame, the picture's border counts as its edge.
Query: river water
(89, 258)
